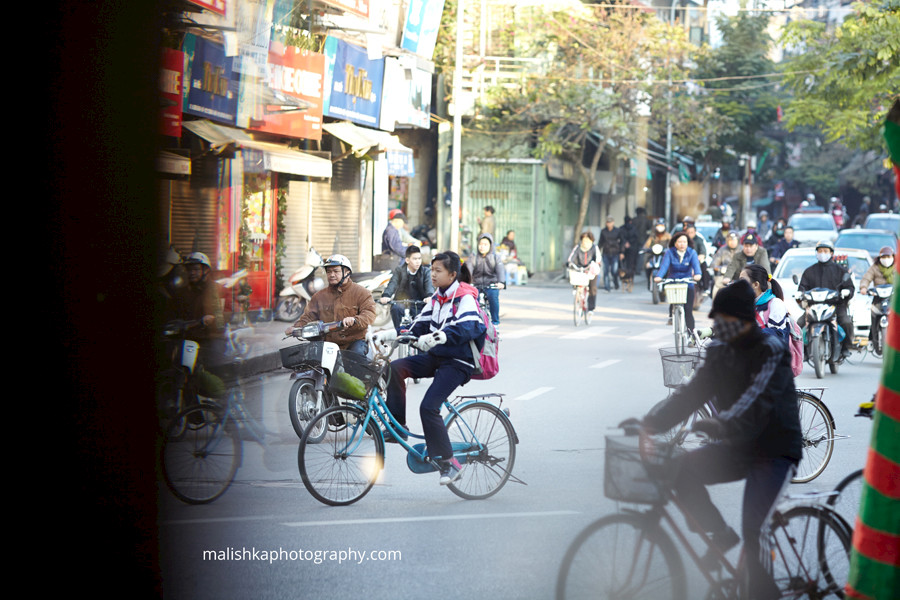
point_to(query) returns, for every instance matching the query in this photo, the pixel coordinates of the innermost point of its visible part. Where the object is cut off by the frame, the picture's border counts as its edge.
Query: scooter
(652, 260)
(881, 304)
(304, 282)
(312, 364)
(822, 335)
(375, 282)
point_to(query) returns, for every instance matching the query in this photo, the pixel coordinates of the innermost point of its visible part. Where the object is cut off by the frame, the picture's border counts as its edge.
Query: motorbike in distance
(822, 335)
(881, 305)
(303, 283)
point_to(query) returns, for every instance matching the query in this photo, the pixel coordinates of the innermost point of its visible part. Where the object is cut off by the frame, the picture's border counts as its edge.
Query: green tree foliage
(845, 79)
(604, 69)
(731, 77)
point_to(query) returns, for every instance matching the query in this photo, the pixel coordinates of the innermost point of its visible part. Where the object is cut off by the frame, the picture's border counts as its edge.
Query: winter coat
(486, 269)
(740, 261)
(335, 304)
(611, 242)
(751, 384)
(581, 258)
(781, 247)
(404, 286)
(876, 275)
(828, 275)
(672, 267)
(455, 312)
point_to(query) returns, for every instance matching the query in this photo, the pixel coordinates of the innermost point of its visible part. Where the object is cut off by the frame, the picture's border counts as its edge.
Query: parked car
(870, 240)
(796, 260)
(888, 221)
(810, 228)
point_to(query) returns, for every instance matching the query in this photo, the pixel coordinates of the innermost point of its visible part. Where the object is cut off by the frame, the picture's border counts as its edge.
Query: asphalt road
(566, 388)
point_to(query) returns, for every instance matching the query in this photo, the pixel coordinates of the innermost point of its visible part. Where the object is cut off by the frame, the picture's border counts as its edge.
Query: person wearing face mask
(756, 433)
(722, 234)
(659, 235)
(826, 273)
(678, 262)
(881, 272)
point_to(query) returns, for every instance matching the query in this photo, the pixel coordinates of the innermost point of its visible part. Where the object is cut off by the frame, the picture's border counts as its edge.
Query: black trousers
(766, 477)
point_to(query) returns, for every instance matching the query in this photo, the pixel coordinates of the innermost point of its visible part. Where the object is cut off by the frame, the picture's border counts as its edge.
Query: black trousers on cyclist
(448, 375)
(719, 463)
(592, 294)
(688, 308)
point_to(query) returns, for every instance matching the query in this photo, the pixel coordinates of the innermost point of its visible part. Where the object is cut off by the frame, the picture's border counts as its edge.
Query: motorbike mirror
(796, 279)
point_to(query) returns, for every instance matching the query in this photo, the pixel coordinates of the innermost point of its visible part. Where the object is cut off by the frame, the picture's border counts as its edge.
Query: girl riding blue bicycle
(444, 329)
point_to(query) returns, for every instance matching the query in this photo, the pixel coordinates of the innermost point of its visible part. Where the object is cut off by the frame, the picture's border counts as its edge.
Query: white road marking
(533, 330)
(606, 363)
(551, 513)
(587, 332)
(534, 393)
(651, 334)
(663, 344)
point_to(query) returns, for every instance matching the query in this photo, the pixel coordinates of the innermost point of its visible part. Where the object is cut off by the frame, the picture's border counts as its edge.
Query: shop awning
(278, 157)
(359, 139)
(173, 163)
(363, 141)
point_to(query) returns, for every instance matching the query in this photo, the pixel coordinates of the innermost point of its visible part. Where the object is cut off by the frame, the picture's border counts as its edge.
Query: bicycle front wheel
(578, 307)
(818, 438)
(810, 553)
(200, 454)
(343, 467)
(620, 558)
(678, 327)
(847, 497)
(483, 429)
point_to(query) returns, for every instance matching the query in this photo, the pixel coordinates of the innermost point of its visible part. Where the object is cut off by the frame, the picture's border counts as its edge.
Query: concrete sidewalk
(267, 338)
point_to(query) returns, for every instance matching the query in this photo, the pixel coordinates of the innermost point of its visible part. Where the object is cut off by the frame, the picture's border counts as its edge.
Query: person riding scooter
(826, 273)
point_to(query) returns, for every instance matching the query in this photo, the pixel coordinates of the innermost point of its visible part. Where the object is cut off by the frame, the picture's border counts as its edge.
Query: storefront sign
(407, 97)
(400, 163)
(297, 74)
(353, 83)
(171, 84)
(356, 7)
(215, 6)
(211, 91)
(420, 31)
(558, 168)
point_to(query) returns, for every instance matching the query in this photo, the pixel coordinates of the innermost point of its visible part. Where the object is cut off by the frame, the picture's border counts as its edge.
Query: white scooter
(302, 285)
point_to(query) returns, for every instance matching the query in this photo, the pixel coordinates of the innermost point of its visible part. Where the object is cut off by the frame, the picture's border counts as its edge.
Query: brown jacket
(330, 304)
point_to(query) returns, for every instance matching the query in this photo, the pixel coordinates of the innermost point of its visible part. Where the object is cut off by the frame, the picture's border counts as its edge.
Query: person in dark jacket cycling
(826, 273)
(583, 256)
(747, 374)
(409, 281)
(488, 274)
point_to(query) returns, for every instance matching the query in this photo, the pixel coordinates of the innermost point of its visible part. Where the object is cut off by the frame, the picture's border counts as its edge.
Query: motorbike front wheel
(303, 406)
(877, 340)
(818, 356)
(656, 294)
(289, 308)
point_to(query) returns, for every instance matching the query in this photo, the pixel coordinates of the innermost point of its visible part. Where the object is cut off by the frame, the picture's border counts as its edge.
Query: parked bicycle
(343, 468)
(631, 554)
(676, 295)
(847, 494)
(580, 278)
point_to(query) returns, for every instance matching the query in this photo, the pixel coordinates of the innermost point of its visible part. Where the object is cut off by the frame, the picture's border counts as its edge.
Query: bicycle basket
(629, 478)
(579, 277)
(678, 368)
(354, 376)
(676, 293)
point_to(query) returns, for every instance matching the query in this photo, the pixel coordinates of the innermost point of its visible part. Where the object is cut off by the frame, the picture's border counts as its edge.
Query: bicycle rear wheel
(619, 557)
(343, 467)
(200, 454)
(810, 553)
(818, 438)
(485, 428)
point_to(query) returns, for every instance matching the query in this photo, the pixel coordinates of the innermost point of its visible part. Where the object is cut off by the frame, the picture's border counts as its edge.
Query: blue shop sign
(423, 18)
(211, 90)
(353, 83)
(400, 163)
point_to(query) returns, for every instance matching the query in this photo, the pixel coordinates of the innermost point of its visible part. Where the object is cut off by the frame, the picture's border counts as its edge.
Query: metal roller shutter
(193, 219)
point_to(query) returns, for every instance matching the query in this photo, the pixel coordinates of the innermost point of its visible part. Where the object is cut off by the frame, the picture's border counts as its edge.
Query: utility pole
(668, 214)
(456, 171)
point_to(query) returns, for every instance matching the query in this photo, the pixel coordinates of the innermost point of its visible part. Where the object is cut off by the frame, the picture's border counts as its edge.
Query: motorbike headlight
(819, 295)
(310, 330)
(656, 248)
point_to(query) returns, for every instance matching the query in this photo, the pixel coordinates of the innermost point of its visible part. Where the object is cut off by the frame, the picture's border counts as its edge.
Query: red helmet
(396, 214)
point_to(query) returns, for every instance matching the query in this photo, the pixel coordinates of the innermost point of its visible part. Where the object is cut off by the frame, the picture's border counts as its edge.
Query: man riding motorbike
(343, 300)
(722, 258)
(826, 273)
(751, 254)
(659, 235)
(783, 245)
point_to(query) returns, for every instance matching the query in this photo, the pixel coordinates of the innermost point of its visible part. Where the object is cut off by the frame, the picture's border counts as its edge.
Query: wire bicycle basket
(676, 293)
(579, 277)
(636, 475)
(679, 367)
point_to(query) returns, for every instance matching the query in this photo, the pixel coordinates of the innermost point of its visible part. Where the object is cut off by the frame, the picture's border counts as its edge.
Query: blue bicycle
(343, 467)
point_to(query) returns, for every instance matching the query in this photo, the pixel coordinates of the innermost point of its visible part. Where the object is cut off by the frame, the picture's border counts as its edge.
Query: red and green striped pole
(875, 558)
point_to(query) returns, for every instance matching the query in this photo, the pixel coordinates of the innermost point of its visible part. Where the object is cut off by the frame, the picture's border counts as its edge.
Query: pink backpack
(487, 361)
(795, 342)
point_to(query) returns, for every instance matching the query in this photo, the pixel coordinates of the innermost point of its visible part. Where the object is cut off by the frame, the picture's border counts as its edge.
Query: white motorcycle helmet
(198, 258)
(339, 260)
